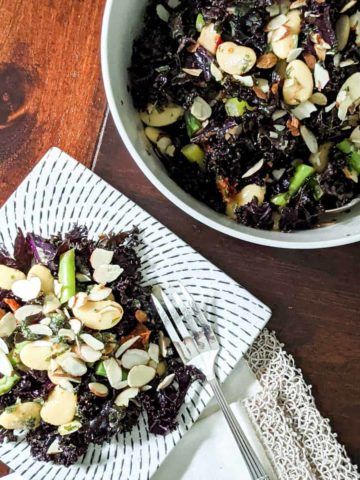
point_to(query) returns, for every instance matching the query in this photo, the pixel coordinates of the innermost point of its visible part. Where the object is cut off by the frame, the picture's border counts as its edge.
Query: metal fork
(197, 345)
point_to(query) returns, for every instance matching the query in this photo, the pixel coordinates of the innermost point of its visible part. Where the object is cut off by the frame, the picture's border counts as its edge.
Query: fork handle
(253, 464)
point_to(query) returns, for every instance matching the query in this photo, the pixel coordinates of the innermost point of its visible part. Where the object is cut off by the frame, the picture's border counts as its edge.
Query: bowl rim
(173, 197)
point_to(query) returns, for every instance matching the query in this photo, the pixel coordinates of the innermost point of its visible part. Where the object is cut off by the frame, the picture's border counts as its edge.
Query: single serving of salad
(82, 351)
(253, 106)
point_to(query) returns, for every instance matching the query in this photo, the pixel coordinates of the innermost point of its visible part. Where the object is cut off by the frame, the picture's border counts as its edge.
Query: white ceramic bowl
(122, 22)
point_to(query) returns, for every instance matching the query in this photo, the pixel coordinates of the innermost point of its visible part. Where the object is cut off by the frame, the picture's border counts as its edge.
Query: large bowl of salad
(244, 115)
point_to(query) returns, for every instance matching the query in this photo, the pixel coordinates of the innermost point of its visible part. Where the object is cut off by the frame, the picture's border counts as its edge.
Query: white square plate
(60, 192)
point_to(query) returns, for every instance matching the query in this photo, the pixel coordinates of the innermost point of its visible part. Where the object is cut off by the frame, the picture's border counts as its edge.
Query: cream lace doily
(298, 440)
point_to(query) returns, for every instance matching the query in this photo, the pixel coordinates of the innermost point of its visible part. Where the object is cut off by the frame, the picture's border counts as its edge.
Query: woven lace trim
(299, 441)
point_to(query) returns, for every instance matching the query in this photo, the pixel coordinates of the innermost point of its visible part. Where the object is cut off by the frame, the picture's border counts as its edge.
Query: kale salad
(82, 351)
(253, 107)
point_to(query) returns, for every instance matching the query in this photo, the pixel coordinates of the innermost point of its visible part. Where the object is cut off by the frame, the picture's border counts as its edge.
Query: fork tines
(185, 323)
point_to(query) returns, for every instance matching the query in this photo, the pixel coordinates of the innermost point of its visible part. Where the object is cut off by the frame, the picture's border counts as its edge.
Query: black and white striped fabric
(60, 192)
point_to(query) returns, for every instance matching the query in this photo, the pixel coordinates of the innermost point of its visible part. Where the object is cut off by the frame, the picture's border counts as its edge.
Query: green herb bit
(281, 199)
(316, 189)
(6, 383)
(194, 154)
(237, 108)
(345, 146)
(302, 173)
(193, 125)
(100, 370)
(200, 22)
(67, 275)
(354, 161)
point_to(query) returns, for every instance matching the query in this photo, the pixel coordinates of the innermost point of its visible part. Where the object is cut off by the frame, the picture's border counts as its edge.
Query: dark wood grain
(51, 91)
(314, 294)
(50, 84)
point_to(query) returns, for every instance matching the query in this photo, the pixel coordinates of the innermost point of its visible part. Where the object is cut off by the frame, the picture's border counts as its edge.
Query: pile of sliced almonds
(78, 343)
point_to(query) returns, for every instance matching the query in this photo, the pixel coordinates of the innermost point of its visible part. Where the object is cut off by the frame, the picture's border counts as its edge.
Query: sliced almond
(294, 54)
(163, 344)
(66, 333)
(99, 292)
(75, 325)
(273, 9)
(100, 256)
(122, 400)
(45, 276)
(304, 110)
(268, 60)
(122, 384)
(18, 416)
(39, 329)
(8, 276)
(278, 114)
(65, 384)
(27, 289)
(57, 377)
(161, 118)
(321, 76)
(134, 357)
(309, 139)
(71, 364)
(113, 372)
(89, 355)
(209, 38)
(98, 389)
(92, 341)
(235, 59)
(342, 31)
(51, 303)
(107, 273)
(69, 428)
(60, 407)
(140, 375)
(154, 352)
(162, 13)
(255, 168)
(161, 368)
(166, 382)
(280, 34)
(194, 72)
(319, 99)
(82, 278)
(349, 5)
(355, 135)
(57, 288)
(216, 72)
(200, 109)
(99, 315)
(276, 22)
(246, 80)
(3, 346)
(54, 447)
(146, 388)
(5, 365)
(36, 355)
(298, 4)
(27, 311)
(78, 300)
(349, 95)
(126, 345)
(7, 324)
(320, 159)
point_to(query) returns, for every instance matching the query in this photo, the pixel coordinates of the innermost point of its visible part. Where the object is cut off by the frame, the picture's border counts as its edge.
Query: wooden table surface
(51, 93)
